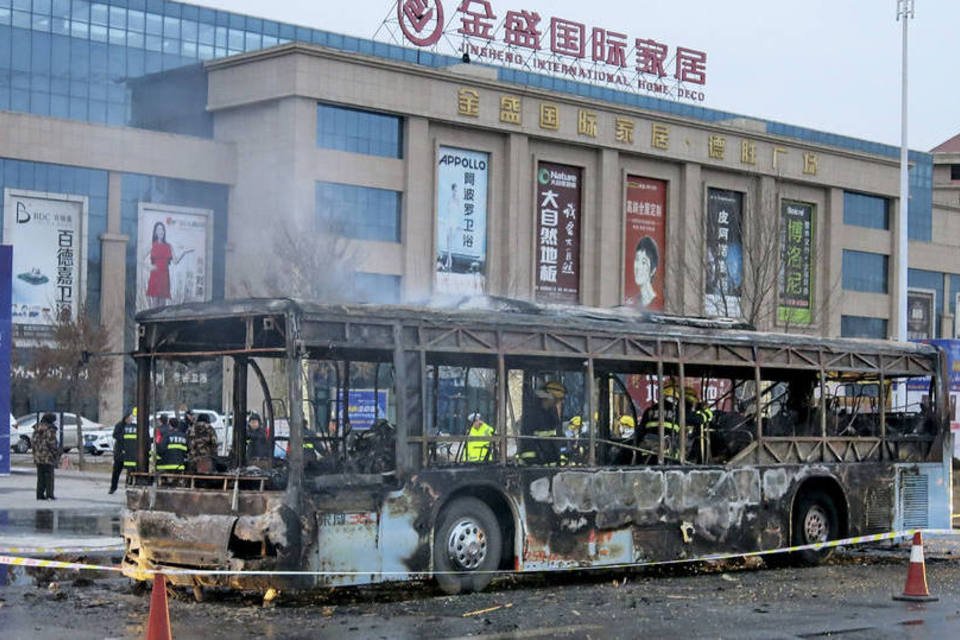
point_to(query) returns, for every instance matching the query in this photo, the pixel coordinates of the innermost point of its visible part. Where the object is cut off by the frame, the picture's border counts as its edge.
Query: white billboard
(174, 245)
(48, 232)
(461, 221)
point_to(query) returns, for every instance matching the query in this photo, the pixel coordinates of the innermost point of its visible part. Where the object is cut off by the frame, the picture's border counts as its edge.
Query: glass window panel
(99, 14)
(865, 211)
(98, 33)
(79, 29)
(135, 39)
(21, 19)
(118, 17)
(863, 271)
(154, 24)
(41, 23)
(221, 37)
(171, 27)
(863, 327)
(188, 49)
(59, 106)
(136, 20)
(251, 41)
(235, 39)
(22, 5)
(80, 10)
(117, 36)
(358, 131)
(205, 33)
(153, 43)
(171, 46)
(269, 41)
(98, 111)
(188, 30)
(205, 52)
(5, 19)
(60, 25)
(358, 212)
(40, 103)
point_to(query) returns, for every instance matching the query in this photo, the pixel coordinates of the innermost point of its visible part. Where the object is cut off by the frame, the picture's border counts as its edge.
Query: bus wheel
(466, 546)
(815, 520)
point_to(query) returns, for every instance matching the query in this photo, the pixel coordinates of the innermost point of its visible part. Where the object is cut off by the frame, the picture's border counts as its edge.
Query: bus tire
(814, 520)
(467, 545)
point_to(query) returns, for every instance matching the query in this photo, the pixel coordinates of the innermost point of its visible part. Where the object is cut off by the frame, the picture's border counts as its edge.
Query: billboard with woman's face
(644, 235)
(173, 250)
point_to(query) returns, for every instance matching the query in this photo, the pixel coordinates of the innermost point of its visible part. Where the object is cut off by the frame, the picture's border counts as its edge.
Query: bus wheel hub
(467, 544)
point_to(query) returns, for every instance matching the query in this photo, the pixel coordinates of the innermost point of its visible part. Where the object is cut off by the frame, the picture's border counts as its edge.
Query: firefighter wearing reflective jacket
(172, 449)
(478, 450)
(130, 443)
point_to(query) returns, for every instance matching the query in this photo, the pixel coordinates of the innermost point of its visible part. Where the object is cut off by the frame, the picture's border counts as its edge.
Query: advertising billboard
(724, 253)
(366, 405)
(48, 234)
(795, 305)
(6, 343)
(921, 310)
(644, 234)
(557, 244)
(462, 177)
(174, 245)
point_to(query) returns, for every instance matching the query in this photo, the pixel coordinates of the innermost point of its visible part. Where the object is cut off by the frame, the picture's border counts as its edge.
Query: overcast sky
(832, 65)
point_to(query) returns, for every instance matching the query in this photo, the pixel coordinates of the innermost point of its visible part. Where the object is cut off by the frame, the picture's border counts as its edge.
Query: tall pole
(904, 13)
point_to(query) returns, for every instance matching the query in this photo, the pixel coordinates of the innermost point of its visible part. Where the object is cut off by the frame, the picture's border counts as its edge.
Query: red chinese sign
(645, 237)
(555, 45)
(558, 233)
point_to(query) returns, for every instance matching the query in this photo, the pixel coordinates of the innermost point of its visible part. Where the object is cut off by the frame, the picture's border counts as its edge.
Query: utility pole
(904, 14)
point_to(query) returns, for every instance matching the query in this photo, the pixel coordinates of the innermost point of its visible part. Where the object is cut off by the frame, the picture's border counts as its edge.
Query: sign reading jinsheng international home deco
(174, 245)
(724, 253)
(558, 233)
(796, 263)
(47, 231)
(461, 220)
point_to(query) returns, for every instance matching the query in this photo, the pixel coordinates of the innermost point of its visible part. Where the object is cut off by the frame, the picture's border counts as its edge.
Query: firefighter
(130, 443)
(543, 422)
(172, 448)
(478, 450)
(119, 432)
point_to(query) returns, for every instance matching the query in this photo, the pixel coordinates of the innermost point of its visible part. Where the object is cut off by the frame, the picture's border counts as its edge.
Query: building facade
(184, 154)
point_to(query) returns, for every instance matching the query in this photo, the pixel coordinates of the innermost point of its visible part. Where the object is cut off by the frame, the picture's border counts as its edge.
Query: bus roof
(502, 313)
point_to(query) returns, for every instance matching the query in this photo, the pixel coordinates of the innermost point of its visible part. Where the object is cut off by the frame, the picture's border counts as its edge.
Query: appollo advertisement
(558, 233)
(724, 253)
(796, 263)
(645, 242)
(173, 250)
(461, 221)
(48, 235)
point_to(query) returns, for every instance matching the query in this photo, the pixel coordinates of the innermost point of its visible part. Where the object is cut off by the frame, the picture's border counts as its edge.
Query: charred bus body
(739, 445)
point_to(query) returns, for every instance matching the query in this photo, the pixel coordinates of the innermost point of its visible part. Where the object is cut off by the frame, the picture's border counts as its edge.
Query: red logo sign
(416, 17)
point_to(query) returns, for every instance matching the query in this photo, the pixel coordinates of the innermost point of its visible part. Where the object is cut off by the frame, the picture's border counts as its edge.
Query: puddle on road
(65, 523)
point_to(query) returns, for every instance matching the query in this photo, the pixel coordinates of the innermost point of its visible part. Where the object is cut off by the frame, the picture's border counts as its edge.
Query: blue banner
(363, 411)
(6, 342)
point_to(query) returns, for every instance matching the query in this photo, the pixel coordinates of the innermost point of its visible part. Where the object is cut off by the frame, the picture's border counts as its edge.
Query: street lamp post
(904, 13)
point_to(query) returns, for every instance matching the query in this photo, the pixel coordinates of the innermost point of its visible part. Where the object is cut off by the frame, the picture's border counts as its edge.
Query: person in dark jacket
(119, 431)
(46, 454)
(172, 448)
(258, 447)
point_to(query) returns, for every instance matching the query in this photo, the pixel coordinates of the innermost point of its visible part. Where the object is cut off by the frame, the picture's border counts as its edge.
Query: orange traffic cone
(916, 588)
(158, 624)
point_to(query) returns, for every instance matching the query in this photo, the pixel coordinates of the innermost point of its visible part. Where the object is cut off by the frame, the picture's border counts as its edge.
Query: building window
(955, 172)
(364, 213)
(861, 327)
(376, 288)
(866, 211)
(359, 131)
(864, 271)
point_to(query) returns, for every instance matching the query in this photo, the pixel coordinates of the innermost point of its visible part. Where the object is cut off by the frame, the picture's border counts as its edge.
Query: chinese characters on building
(462, 176)
(796, 263)
(558, 233)
(556, 45)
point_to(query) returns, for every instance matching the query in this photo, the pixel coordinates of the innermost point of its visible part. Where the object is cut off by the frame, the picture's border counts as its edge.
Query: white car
(98, 442)
(26, 424)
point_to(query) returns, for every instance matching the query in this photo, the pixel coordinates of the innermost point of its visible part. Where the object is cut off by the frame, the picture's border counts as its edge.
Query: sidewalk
(75, 490)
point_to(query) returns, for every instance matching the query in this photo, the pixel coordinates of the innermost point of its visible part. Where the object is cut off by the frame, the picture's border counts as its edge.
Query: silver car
(67, 430)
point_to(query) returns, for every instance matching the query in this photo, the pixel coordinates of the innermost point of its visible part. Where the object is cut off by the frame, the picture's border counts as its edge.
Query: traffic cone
(915, 590)
(158, 624)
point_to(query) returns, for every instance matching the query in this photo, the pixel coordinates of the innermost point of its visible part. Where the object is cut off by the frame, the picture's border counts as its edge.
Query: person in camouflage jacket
(46, 454)
(202, 444)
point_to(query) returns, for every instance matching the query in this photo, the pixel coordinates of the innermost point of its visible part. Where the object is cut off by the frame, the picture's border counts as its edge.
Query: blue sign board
(363, 410)
(952, 349)
(6, 342)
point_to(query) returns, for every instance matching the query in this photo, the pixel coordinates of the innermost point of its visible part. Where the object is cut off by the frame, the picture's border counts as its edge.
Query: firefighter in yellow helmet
(478, 450)
(542, 424)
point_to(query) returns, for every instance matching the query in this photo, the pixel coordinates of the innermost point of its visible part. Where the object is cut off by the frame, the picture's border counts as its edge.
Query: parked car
(17, 444)
(66, 423)
(98, 442)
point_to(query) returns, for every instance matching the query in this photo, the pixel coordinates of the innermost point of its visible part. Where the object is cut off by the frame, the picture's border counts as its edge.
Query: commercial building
(154, 152)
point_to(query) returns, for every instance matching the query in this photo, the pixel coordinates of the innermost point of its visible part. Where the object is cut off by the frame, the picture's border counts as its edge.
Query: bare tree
(68, 364)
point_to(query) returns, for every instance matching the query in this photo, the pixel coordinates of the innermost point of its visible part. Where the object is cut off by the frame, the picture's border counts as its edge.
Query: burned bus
(502, 436)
